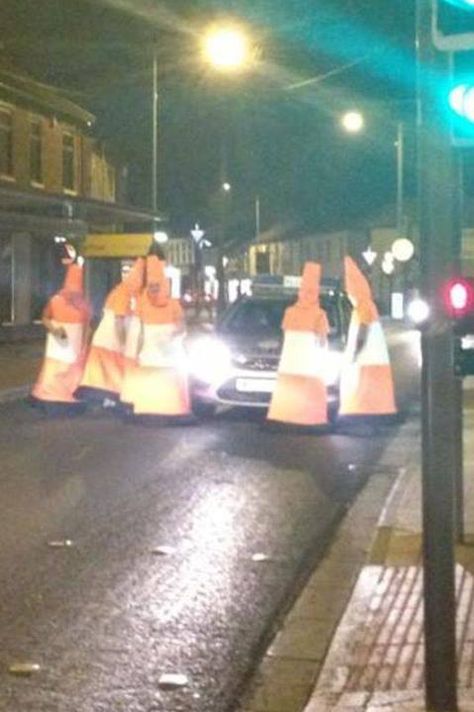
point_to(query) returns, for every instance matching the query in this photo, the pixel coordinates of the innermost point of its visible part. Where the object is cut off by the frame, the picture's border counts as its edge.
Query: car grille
(228, 392)
(260, 363)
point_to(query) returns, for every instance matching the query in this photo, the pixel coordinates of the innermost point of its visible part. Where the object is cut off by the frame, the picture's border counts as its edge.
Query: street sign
(369, 256)
(117, 245)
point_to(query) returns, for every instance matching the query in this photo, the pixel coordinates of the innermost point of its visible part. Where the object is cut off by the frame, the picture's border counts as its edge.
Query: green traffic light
(465, 4)
(461, 101)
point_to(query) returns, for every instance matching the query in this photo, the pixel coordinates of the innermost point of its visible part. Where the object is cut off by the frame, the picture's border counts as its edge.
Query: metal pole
(154, 169)
(257, 217)
(436, 172)
(400, 172)
(222, 228)
(458, 391)
(13, 280)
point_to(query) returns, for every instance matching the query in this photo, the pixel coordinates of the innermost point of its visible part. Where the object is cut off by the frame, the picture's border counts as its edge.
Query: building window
(36, 151)
(6, 142)
(69, 182)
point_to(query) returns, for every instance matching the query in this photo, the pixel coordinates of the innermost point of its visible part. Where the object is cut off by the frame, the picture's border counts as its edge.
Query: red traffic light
(458, 297)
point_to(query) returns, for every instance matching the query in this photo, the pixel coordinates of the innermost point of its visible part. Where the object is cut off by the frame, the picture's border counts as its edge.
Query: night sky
(277, 124)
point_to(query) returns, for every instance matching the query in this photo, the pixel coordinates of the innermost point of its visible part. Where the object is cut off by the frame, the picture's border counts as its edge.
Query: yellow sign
(117, 245)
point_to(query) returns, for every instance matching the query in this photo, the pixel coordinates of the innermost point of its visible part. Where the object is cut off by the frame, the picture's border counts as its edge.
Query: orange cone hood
(308, 295)
(356, 283)
(155, 274)
(135, 278)
(306, 314)
(73, 281)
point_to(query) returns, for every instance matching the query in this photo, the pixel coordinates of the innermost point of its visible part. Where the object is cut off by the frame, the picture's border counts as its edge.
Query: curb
(289, 672)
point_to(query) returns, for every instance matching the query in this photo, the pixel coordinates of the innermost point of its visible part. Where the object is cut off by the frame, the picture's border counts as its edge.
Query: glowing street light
(352, 121)
(226, 48)
(403, 249)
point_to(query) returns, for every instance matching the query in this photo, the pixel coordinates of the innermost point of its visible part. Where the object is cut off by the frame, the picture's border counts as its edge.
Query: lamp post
(227, 49)
(154, 153)
(353, 122)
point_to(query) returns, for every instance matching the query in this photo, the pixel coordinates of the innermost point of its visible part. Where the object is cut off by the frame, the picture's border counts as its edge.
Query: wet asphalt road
(106, 617)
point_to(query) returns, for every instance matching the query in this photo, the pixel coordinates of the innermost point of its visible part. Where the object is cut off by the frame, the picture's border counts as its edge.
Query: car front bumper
(247, 389)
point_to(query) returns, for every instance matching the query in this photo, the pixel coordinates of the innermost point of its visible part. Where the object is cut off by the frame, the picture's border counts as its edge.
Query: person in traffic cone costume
(366, 379)
(159, 384)
(300, 392)
(104, 370)
(66, 318)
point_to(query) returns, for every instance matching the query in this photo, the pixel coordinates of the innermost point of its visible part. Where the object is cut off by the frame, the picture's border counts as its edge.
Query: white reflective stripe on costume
(302, 354)
(107, 335)
(374, 351)
(66, 350)
(133, 330)
(162, 347)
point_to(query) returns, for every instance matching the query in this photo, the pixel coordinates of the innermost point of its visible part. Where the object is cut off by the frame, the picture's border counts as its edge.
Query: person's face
(154, 289)
(69, 254)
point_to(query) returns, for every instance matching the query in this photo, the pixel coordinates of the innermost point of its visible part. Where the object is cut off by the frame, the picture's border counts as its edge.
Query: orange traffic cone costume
(366, 379)
(300, 393)
(66, 317)
(159, 384)
(103, 374)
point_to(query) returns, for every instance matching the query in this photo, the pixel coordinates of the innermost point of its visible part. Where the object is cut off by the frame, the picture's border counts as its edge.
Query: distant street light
(403, 249)
(388, 267)
(352, 121)
(226, 187)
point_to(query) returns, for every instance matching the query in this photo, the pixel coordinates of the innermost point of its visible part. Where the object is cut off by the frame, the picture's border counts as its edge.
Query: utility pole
(400, 176)
(154, 167)
(223, 199)
(437, 195)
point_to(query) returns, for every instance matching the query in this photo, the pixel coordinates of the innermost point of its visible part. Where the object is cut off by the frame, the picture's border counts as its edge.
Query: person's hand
(60, 332)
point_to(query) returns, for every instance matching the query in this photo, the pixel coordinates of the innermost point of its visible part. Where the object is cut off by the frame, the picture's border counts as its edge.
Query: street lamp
(226, 48)
(353, 122)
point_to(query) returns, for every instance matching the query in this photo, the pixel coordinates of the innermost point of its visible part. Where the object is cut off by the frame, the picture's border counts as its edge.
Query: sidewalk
(354, 639)
(19, 366)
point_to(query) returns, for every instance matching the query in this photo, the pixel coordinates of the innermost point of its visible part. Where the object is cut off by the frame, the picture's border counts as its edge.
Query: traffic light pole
(437, 219)
(458, 423)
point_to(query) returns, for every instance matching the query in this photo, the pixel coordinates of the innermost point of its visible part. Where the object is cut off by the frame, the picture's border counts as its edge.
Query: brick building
(55, 180)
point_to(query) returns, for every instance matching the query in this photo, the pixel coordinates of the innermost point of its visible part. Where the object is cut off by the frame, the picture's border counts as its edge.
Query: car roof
(278, 294)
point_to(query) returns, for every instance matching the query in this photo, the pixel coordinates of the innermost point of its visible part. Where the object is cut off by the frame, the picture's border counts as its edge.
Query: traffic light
(458, 303)
(458, 297)
(453, 25)
(460, 100)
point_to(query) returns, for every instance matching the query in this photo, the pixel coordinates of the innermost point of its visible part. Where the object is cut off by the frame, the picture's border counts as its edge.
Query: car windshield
(257, 316)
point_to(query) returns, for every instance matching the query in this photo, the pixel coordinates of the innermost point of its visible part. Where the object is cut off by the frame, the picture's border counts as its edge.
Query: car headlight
(332, 366)
(209, 359)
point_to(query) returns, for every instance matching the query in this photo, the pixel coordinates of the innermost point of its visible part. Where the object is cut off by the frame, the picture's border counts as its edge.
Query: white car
(236, 364)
